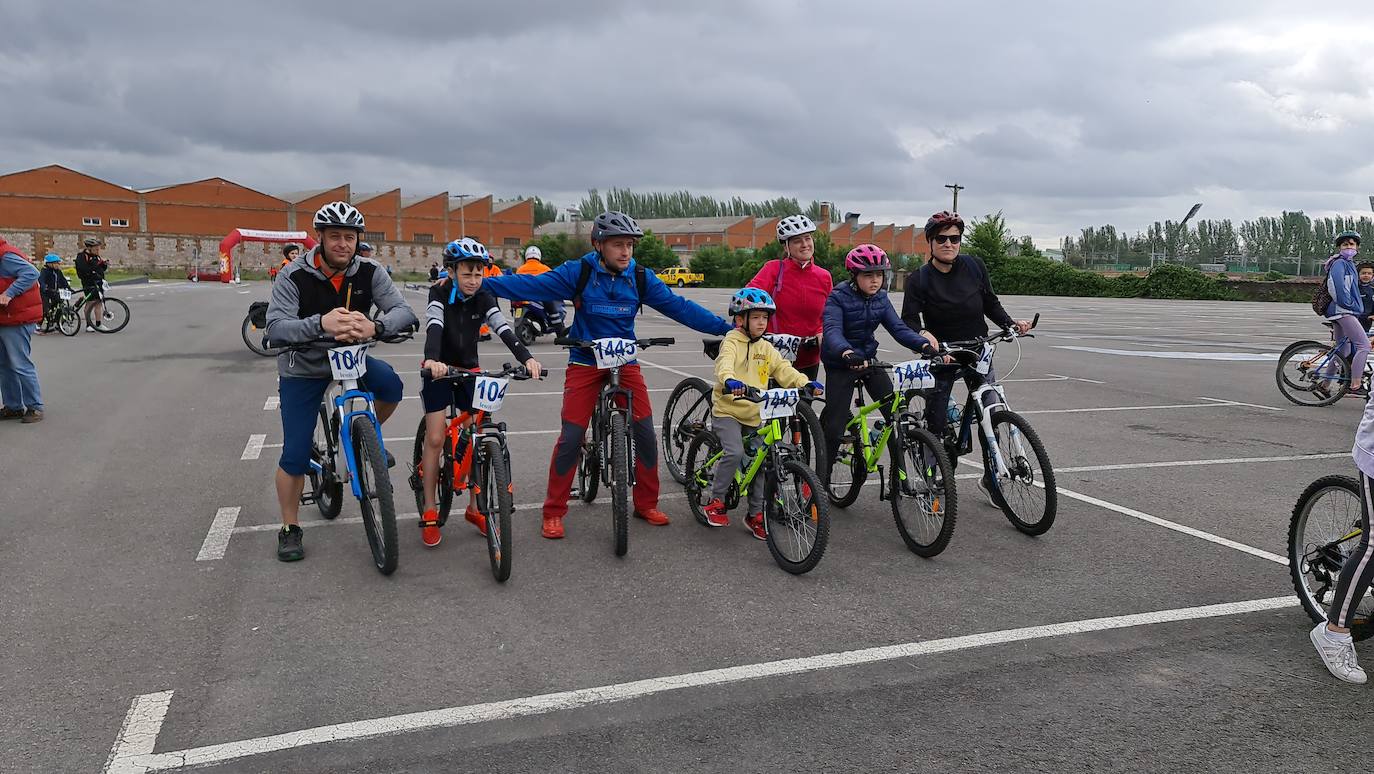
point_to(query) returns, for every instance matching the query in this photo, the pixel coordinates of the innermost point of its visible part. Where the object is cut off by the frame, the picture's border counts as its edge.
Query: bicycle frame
(772, 435)
(873, 451)
(605, 405)
(345, 408)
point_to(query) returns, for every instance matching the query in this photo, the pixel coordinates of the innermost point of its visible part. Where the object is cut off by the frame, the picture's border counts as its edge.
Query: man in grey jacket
(327, 296)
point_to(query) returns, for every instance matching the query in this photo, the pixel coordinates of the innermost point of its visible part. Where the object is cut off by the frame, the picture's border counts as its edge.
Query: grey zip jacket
(287, 325)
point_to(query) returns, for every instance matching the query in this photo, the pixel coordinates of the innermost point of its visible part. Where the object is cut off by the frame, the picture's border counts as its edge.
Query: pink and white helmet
(867, 258)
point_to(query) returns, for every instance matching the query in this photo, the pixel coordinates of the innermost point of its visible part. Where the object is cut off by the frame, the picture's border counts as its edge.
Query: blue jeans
(300, 409)
(18, 377)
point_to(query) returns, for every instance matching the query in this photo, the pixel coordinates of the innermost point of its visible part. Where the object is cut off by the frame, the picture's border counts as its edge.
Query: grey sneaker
(987, 493)
(1338, 653)
(289, 548)
(31, 416)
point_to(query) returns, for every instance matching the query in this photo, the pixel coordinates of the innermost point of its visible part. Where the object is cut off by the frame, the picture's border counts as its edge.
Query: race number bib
(914, 375)
(348, 362)
(489, 393)
(779, 403)
(612, 353)
(985, 361)
(64, 294)
(786, 345)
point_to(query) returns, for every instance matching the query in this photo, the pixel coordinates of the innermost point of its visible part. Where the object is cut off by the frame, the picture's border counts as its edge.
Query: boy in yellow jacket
(745, 360)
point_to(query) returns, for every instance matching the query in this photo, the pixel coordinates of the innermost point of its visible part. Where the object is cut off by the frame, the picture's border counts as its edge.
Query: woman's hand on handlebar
(1024, 326)
(437, 369)
(534, 368)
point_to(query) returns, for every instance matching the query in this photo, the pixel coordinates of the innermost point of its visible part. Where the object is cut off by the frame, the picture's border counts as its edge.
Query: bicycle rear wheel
(924, 503)
(701, 464)
(116, 316)
(1309, 374)
(328, 488)
(252, 336)
(1029, 498)
(850, 470)
(443, 500)
(806, 432)
(379, 510)
(496, 503)
(796, 516)
(687, 413)
(1322, 533)
(620, 482)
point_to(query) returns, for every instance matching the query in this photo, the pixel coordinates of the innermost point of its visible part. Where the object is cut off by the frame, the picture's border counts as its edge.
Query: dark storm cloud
(1061, 114)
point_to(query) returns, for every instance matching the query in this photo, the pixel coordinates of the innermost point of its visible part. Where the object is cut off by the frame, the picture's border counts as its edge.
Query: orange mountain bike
(475, 454)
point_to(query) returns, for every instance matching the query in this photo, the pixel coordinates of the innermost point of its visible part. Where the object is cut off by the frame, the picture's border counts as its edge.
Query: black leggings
(1358, 571)
(840, 383)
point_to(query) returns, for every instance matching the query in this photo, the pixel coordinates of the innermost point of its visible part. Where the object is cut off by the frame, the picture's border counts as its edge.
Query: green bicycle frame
(872, 452)
(770, 434)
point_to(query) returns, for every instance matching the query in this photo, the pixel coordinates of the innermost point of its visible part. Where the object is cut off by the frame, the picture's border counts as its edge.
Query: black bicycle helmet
(613, 224)
(288, 248)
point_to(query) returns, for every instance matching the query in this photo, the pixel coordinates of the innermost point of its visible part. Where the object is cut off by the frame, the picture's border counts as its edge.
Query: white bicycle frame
(996, 403)
(347, 401)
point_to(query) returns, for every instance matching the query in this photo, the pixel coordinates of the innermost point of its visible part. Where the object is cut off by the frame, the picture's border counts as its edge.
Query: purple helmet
(867, 258)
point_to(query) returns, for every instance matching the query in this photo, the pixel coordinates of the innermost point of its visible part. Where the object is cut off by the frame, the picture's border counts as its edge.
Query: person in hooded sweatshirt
(1347, 307)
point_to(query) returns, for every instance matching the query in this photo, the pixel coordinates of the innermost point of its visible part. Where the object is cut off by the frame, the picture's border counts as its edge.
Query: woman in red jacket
(800, 287)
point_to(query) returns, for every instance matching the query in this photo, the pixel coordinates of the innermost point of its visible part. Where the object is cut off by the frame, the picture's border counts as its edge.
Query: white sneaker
(987, 495)
(1338, 653)
(89, 329)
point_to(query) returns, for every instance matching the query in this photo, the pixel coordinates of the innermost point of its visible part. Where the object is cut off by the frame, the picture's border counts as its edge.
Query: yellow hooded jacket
(752, 363)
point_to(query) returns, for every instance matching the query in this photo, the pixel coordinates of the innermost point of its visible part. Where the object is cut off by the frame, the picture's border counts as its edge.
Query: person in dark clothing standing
(950, 296)
(90, 269)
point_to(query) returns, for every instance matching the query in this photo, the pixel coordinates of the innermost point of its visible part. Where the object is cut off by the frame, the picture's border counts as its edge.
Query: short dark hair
(1364, 265)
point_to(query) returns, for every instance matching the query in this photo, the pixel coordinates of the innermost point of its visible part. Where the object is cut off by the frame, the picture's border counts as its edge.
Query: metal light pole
(462, 215)
(1182, 227)
(956, 188)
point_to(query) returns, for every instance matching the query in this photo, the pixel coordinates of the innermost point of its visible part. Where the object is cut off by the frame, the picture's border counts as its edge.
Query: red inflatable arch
(227, 245)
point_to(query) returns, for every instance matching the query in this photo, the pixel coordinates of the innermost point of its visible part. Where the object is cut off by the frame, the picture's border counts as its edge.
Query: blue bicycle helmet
(52, 258)
(466, 249)
(751, 300)
(1344, 235)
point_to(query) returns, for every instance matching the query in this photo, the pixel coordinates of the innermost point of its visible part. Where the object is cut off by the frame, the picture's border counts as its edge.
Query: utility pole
(956, 188)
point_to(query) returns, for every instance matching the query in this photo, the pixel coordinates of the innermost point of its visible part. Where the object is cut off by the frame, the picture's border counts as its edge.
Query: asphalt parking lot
(1153, 628)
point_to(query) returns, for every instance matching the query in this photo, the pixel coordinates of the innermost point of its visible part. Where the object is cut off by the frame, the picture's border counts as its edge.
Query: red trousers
(580, 391)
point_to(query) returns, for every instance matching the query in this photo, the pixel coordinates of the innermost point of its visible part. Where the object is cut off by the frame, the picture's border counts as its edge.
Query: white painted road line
(1232, 356)
(260, 438)
(253, 449)
(670, 370)
(136, 755)
(1170, 406)
(1077, 379)
(1165, 523)
(1239, 403)
(1190, 463)
(272, 403)
(139, 733)
(217, 540)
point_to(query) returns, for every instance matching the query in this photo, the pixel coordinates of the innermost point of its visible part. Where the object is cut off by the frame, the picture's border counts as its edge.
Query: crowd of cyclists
(333, 291)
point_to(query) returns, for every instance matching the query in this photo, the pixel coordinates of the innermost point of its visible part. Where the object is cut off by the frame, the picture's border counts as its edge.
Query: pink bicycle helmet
(867, 258)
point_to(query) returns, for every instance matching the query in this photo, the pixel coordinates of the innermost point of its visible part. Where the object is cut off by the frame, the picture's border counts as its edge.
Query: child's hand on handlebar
(734, 387)
(817, 389)
(534, 368)
(437, 369)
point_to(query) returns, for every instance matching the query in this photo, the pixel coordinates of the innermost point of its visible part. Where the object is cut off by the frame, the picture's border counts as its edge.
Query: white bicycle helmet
(794, 225)
(339, 215)
(533, 251)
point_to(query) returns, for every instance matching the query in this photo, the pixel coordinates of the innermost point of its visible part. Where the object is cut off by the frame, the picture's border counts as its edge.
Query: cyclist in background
(289, 252)
(50, 280)
(806, 284)
(534, 266)
(90, 269)
(604, 287)
(1347, 307)
(327, 296)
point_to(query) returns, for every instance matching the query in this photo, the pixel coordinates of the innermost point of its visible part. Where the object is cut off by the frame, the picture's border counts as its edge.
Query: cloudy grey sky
(1060, 114)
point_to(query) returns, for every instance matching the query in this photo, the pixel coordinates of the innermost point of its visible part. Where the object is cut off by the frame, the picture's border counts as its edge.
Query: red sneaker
(654, 516)
(716, 515)
(755, 525)
(553, 527)
(429, 528)
(476, 518)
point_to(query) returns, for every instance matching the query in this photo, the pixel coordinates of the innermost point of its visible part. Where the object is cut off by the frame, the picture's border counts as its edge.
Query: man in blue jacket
(607, 290)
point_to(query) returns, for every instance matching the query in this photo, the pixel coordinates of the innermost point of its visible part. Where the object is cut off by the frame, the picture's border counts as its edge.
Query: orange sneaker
(654, 516)
(553, 527)
(429, 528)
(476, 518)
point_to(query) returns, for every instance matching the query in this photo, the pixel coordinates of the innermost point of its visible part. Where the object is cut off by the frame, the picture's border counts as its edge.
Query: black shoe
(289, 548)
(390, 460)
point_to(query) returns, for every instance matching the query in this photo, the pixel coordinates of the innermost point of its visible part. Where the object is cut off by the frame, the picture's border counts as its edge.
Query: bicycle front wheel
(496, 503)
(1309, 374)
(620, 482)
(796, 517)
(1029, 497)
(924, 501)
(379, 510)
(687, 413)
(115, 317)
(68, 321)
(1323, 532)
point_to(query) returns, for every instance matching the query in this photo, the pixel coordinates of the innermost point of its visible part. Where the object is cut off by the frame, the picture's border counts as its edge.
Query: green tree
(544, 212)
(988, 239)
(1027, 248)
(655, 253)
(560, 248)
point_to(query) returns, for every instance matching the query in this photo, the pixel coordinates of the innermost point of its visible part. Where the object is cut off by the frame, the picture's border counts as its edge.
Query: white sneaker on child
(1338, 653)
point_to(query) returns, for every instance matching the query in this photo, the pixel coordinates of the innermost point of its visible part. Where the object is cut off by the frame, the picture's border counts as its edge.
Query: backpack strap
(641, 284)
(582, 279)
(777, 286)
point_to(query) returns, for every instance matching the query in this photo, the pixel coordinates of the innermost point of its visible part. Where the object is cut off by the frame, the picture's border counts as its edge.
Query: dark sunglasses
(941, 239)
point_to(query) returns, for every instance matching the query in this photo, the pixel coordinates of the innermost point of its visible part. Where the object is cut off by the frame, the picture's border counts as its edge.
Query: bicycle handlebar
(1005, 334)
(516, 372)
(399, 337)
(755, 395)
